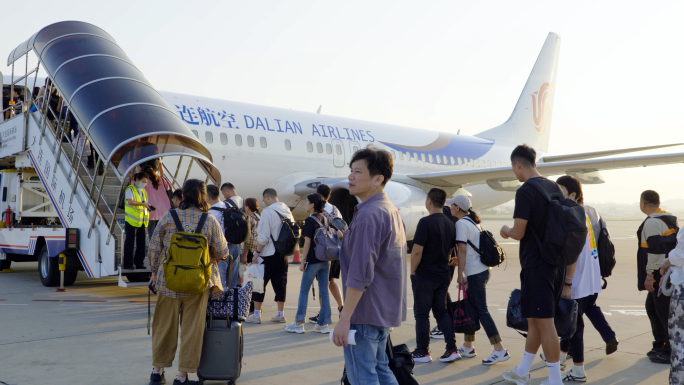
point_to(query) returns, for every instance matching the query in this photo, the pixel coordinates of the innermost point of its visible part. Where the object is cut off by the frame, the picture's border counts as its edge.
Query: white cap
(462, 201)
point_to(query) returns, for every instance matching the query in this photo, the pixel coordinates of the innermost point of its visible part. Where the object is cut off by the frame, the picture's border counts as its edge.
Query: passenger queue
(371, 261)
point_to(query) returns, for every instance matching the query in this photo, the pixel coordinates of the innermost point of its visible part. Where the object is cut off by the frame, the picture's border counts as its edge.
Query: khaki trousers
(192, 313)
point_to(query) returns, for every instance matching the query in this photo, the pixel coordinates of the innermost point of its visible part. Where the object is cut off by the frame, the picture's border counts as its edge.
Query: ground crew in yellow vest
(137, 218)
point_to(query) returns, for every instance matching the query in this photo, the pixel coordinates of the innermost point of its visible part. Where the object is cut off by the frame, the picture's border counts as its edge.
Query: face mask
(142, 185)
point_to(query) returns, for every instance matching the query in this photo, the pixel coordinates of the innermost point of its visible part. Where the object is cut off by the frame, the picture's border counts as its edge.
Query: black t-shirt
(437, 234)
(532, 206)
(310, 226)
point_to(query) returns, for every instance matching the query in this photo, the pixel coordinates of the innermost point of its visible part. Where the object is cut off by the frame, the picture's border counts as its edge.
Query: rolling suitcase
(222, 347)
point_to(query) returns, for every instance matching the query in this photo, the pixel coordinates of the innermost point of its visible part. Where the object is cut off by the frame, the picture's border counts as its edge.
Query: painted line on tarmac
(67, 300)
(13, 304)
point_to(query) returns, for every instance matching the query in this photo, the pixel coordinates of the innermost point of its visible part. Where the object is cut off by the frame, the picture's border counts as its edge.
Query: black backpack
(491, 254)
(235, 224)
(565, 231)
(288, 238)
(606, 253)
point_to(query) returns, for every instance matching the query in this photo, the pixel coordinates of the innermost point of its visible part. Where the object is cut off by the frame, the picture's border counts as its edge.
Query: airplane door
(338, 153)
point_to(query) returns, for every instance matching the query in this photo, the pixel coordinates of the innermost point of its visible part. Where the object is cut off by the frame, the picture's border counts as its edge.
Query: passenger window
(338, 149)
(250, 140)
(439, 159)
(288, 145)
(394, 154)
(452, 160)
(328, 148)
(209, 137)
(196, 133)
(224, 138)
(445, 159)
(238, 140)
(355, 149)
(489, 163)
(422, 157)
(401, 155)
(319, 148)
(309, 146)
(262, 141)
(415, 156)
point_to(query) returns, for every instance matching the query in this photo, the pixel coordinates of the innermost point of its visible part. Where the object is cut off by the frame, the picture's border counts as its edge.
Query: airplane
(257, 147)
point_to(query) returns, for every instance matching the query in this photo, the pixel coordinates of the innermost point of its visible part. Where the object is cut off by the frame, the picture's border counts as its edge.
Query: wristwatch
(568, 284)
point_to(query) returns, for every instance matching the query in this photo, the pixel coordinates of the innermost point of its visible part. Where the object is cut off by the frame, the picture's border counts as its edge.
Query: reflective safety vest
(136, 216)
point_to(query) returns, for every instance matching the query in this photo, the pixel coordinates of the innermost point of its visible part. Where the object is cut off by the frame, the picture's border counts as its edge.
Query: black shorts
(275, 271)
(541, 287)
(334, 271)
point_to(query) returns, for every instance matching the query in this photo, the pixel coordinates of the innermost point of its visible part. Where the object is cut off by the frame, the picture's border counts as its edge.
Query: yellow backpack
(187, 267)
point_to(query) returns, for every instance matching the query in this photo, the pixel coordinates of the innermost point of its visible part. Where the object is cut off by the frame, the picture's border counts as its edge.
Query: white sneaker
(466, 352)
(511, 375)
(253, 320)
(421, 356)
(294, 328)
(281, 320)
(323, 329)
(496, 357)
(574, 375)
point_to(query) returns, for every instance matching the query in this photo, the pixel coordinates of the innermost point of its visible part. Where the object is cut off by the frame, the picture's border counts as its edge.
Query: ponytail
(473, 215)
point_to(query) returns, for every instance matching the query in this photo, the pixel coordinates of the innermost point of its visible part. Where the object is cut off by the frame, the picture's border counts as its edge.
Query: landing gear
(5, 264)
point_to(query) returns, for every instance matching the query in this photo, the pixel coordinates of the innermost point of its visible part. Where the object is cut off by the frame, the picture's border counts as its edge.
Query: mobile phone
(152, 208)
(306, 264)
(152, 288)
(660, 291)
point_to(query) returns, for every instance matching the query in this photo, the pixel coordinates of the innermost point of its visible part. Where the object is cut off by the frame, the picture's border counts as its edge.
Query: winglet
(319, 109)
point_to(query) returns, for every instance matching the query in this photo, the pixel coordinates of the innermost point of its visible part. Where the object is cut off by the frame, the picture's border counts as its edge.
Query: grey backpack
(326, 242)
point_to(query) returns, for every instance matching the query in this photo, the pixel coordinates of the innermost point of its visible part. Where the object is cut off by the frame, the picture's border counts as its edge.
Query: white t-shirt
(587, 278)
(329, 209)
(217, 213)
(467, 230)
(238, 201)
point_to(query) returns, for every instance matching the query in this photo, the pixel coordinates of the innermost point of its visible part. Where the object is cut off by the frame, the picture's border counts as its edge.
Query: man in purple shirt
(374, 270)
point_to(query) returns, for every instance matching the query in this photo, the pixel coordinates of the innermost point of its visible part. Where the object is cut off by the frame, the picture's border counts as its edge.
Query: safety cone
(296, 256)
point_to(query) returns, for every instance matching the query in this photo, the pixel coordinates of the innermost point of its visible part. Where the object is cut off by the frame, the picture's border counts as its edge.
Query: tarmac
(96, 333)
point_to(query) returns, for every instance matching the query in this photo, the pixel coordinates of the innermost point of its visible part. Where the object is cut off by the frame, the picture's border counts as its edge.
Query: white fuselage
(257, 147)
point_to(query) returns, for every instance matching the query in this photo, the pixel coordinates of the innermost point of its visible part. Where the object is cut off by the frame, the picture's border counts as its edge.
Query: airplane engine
(410, 201)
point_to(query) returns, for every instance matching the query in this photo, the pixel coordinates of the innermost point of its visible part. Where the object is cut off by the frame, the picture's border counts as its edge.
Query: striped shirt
(166, 228)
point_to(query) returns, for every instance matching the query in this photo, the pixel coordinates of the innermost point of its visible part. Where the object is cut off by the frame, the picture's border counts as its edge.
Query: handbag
(466, 319)
(238, 298)
(224, 306)
(565, 319)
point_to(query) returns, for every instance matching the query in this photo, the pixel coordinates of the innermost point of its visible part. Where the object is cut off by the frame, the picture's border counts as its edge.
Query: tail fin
(530, 122)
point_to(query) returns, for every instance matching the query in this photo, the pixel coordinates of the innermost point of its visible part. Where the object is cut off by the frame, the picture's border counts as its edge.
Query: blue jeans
(320, 271)
(234, 251)
(477, 294)
(367, 362)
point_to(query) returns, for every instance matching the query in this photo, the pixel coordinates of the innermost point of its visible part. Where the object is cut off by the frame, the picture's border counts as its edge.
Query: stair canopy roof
(126, 119)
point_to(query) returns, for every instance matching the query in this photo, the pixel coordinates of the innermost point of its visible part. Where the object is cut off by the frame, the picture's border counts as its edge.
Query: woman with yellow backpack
(183, 254)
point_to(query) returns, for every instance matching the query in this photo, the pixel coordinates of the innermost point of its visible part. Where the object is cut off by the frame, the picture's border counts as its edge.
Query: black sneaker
(421, 356)
(436, 333)
(157, 379)
(314, 320)
(654, 352)
(660, 359)
(187, 382)
(450, 355)
(611, 346)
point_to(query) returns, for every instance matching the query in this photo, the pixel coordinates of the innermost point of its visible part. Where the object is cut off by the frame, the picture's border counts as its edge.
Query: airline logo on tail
(540, 109)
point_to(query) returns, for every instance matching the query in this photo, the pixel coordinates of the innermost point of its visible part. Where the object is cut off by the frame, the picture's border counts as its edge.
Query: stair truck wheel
(5, 264)
(48, 268)
(70, 276)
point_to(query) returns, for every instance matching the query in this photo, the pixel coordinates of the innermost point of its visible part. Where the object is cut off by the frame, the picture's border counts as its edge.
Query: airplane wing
(503, 179)
(600, 154)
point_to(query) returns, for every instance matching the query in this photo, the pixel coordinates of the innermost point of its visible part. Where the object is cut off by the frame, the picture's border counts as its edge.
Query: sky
(443, 65)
